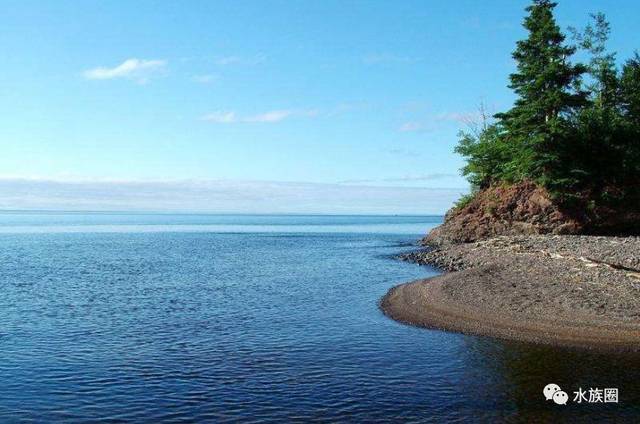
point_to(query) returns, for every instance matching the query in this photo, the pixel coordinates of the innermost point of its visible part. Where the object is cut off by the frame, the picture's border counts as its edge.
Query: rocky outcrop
(524, 208)
(528, 209)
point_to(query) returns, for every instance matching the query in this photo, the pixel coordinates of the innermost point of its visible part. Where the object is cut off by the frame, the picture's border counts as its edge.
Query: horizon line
(157, 212)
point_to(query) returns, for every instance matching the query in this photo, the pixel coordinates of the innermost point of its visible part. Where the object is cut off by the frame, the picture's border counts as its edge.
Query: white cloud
(220, 117)
(221, 196)
(272, 116)
(230, 117)
(139, 70)
(404, 179)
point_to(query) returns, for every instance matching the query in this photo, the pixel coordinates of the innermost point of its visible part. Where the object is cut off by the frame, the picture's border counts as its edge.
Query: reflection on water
(254, 326)
(517, 373)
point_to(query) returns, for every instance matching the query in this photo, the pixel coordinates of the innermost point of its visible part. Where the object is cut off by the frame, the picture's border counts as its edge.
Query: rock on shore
(526, 209)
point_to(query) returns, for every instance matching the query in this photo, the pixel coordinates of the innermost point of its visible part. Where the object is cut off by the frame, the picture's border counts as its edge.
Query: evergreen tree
(581, 141)
(602, 66)
(605, 139)
(598, 127)
(630, 89)
(486, 155)
(547, 85)
(630, 103)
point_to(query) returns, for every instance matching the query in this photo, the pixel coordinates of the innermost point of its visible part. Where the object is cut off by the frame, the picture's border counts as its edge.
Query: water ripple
(184, 327)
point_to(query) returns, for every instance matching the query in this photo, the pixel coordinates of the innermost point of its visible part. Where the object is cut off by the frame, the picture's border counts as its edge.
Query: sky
(254, 98)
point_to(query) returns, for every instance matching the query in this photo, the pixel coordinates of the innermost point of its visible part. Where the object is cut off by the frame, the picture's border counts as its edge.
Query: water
(184, 318)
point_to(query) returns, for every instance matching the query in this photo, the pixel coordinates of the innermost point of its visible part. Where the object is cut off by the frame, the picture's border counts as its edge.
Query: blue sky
(340, 93)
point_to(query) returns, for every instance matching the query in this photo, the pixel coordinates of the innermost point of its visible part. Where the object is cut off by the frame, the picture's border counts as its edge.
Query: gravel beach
(578, 291)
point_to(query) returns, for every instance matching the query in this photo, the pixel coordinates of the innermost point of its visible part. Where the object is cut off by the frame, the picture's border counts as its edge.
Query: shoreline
(573, 291)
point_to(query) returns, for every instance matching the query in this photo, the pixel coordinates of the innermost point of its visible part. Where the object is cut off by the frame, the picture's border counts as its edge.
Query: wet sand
(561, 290)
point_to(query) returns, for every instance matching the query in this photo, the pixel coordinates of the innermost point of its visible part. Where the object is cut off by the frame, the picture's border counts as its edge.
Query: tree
(547, 86)
(596, 138)
(579, 138)
(630, 89)
(602, 66)
(606, 141)
(630, 104)
(486, 155)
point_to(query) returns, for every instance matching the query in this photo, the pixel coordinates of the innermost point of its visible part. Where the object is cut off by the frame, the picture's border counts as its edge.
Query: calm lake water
(184, 318)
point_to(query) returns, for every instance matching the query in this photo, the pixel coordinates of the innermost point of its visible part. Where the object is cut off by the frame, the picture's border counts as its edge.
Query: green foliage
(573, 128)
(546, 84)
(602, 66)
(487, 155)
(630, 89)
(464, 200)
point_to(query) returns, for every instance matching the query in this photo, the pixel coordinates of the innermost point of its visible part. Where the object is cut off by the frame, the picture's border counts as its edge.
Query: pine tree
(630, 100)
(598, 127)
(606, 141)
(630, 89)
(602, 66)
(580, 140)
(547, 85)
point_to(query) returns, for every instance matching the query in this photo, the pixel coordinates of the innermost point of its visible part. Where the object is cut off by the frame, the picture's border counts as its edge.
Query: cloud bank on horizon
(218, 196)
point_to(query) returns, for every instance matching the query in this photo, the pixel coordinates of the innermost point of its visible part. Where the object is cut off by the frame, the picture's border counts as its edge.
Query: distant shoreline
(572, 291)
